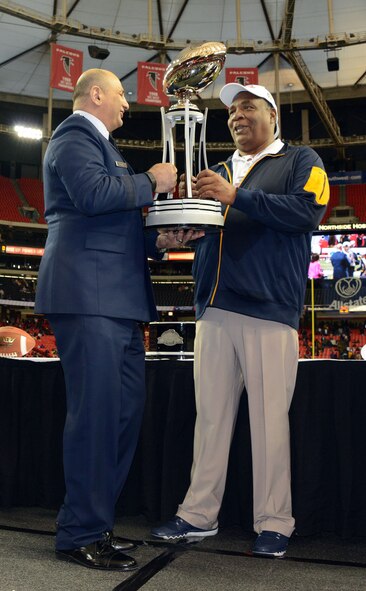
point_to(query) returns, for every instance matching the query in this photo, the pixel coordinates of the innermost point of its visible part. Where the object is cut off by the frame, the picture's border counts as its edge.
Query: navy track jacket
(258, 264)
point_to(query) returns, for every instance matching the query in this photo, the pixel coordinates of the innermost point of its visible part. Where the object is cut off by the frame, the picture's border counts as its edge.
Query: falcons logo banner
(242, 76)
(66, 67)
(150, 84)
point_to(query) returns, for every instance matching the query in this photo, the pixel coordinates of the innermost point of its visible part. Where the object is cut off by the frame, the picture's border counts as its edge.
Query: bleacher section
(173, 295)
(332, 343)
(333, 202)
(17, 289)
(10, 202)
(32, 190)
(356, 197)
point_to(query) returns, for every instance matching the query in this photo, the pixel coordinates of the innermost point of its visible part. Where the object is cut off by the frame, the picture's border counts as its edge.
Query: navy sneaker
(270, 543)
(177, 529)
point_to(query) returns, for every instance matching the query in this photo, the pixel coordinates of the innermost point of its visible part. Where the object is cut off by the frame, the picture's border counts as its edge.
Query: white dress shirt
(241, 164)
(95, 121)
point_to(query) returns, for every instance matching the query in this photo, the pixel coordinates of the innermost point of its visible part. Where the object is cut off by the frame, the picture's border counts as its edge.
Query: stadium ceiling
(290, 42)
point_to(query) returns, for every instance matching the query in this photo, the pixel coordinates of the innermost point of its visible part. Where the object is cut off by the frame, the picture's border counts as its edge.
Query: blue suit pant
(103, 360)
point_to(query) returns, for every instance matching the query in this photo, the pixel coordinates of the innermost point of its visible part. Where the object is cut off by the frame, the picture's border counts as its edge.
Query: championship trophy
(190, 73)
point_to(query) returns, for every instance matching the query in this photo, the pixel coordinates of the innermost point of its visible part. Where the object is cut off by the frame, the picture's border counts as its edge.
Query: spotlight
(29, 133)
(99, 53)
(333, 64)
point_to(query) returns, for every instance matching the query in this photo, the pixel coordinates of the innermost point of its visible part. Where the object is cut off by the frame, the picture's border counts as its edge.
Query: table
(328, 425)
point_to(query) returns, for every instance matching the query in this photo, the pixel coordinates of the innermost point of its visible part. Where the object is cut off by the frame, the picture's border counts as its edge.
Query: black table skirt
(328, 427)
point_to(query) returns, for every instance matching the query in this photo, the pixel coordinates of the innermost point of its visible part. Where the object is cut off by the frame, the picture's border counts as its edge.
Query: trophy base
(185, 213)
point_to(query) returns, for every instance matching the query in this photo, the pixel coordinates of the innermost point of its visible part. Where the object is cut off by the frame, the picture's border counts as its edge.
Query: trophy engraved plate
(188, 75)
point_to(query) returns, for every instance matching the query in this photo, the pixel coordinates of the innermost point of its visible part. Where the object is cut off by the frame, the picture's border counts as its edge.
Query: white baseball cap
(229, 92)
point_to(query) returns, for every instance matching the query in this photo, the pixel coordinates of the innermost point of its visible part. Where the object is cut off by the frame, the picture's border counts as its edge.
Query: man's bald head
(100, 93)
(90, 78)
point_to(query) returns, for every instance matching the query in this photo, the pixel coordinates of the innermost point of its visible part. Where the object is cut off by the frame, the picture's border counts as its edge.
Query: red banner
(66, 67)
(241, 75)
(150, 84)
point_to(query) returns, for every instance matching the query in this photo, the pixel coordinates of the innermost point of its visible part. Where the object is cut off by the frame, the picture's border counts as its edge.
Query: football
(15, 342)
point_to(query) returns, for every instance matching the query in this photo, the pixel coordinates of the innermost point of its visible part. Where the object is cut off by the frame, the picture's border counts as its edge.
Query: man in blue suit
(94, 286)
(340, 263)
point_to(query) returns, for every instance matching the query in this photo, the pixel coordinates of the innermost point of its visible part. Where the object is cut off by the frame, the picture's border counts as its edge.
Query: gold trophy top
(194, 68)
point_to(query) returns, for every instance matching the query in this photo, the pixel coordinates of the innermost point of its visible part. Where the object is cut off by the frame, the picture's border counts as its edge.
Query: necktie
(112, 141)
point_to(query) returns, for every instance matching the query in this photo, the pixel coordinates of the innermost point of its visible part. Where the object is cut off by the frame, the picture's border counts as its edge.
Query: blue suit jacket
(340, 264)
(95, 259)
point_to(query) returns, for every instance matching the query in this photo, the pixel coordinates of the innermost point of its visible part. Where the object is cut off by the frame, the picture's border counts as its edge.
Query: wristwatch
(152, 180)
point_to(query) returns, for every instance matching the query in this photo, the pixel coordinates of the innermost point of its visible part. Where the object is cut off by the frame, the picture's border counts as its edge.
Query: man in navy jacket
(340, 263)
(94, 286)
(249, 292)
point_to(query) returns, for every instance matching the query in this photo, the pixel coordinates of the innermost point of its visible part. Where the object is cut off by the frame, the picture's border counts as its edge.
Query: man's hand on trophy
(183, 189)
(165, 175)
(211, 185)
(176, 238)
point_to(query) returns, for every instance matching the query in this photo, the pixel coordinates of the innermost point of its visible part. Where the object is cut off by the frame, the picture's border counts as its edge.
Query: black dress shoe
(119, 544)
(100, 555)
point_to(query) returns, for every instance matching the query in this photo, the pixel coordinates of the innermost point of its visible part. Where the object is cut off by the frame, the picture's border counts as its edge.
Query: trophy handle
(202, 143)
(189, 117)
(163, 134)
(168, 142)
(167, 138)
(189, 147)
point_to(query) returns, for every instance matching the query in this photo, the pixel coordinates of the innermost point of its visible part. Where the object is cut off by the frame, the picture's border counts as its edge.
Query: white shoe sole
(270, 554)
(203, 534)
